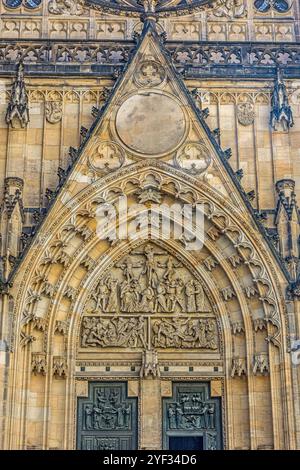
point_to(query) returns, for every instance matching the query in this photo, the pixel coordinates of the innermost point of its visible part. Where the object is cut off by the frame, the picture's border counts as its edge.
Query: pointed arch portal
(141, 342)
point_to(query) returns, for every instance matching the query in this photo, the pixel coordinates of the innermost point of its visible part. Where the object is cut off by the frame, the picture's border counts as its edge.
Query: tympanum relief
(149, 299)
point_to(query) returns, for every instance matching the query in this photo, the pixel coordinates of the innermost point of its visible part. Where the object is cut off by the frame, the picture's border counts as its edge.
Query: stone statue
(190, 292)
(281, 112)
(18, 104)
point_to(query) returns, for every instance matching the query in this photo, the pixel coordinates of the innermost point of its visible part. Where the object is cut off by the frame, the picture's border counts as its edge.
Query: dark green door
(107, 419)
(191, 418)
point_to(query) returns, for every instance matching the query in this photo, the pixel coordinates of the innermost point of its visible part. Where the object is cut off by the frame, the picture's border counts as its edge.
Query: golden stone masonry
(113, 336)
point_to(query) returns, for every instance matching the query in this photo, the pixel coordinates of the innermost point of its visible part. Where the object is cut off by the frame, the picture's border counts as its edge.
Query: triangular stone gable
(151, 118)
(151, 115)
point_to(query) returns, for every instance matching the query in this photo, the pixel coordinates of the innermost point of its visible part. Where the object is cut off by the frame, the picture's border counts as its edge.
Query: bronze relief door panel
(191, 418)
(107, 418)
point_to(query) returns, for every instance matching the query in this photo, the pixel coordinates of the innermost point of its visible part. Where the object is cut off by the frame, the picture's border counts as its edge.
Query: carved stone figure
(148, 280)
(113, 332)
(18, 103)
(184, 333)
(191, 412)
(190, 292)
(281, 112)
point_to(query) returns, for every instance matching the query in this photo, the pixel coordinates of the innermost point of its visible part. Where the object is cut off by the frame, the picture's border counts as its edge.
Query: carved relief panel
(107, 419)
(191, 419)
(149, 299)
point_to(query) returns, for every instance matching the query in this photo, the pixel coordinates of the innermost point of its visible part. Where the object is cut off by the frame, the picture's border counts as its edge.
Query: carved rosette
(150, 73)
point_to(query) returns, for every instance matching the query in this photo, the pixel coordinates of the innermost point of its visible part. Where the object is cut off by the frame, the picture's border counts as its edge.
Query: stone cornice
(234, 60)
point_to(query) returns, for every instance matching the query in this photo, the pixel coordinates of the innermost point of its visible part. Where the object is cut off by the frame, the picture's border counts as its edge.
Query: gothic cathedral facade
(149, 178)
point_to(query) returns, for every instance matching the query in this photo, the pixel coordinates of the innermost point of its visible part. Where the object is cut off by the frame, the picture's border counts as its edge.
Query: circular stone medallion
(150, 123)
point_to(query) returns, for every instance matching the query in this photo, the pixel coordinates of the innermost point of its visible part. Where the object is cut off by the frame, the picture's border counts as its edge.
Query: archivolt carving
(215, 212)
